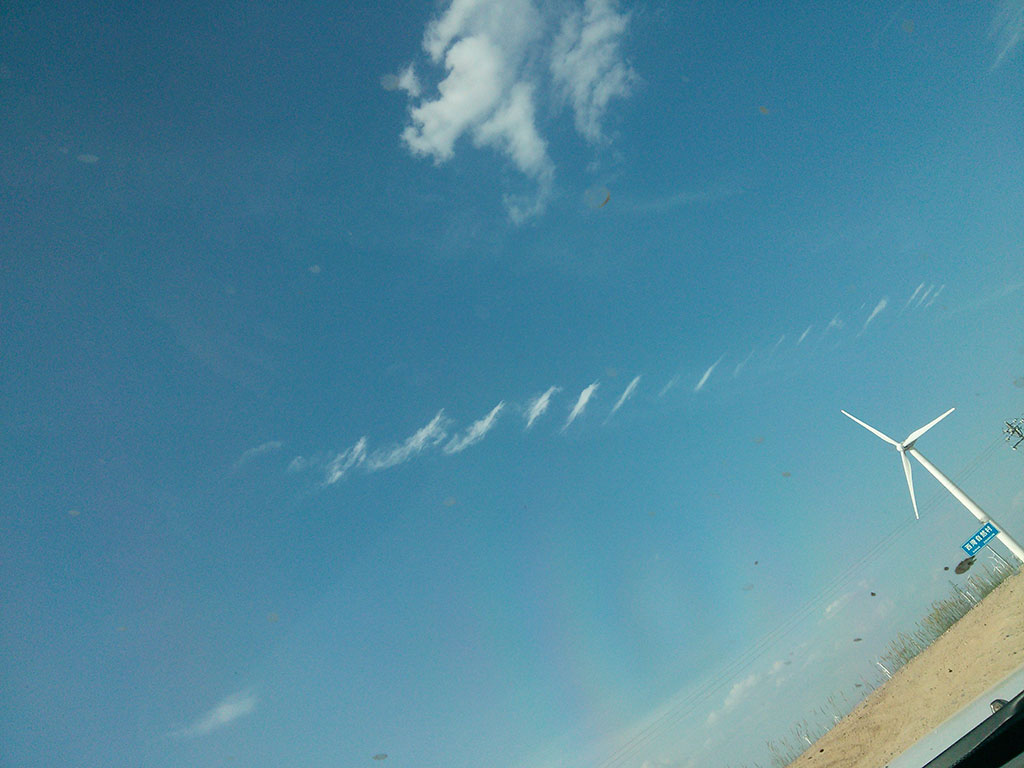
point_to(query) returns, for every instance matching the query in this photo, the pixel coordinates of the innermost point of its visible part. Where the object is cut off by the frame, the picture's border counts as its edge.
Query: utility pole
(1015, 431)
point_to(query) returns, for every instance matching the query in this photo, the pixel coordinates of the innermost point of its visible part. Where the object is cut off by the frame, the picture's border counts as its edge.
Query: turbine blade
(910, 482)
(918, 432)
(869, 428)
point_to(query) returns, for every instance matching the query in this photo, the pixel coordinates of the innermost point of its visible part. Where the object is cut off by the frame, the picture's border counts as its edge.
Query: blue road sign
(985, 534)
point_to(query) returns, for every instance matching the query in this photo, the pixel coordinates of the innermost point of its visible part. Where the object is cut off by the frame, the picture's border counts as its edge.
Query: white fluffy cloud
(482, 44)
(489, 51)
(468, 96)
(587, 65)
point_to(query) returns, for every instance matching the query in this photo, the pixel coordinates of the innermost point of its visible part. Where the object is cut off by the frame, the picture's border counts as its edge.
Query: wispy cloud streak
(935, 295)
(230, 709)
(627, 393)
(882, 304)
(804, 335)
(581, 403)
(739, 691)
(707, 375)
(1007, 29)
(259, 450)
(476, 431)
(832, 609)
(426, 437)
(742, 364)
(924, 296)
(671, 383)
(913, 296)
(539, 405)
(339, 465)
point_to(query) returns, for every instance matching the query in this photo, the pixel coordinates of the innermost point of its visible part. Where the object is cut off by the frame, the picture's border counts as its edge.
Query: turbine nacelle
(903, 447)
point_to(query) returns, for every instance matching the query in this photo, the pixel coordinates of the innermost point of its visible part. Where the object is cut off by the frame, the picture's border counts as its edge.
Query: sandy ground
(970, 657)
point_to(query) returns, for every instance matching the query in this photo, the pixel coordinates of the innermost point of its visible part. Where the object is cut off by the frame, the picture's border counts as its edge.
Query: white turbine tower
(907, 446)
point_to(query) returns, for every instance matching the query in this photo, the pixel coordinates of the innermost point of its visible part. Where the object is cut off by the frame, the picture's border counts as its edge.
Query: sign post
(985, 534)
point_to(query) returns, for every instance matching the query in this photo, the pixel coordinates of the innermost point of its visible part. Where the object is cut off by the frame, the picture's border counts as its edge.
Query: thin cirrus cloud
(490, 52)
(337, 465)
(1007, 29)
(921, 297)
(259, 450)
(832, 609)
(881, 305)
(924, 296)
(581, 404)
(340, 464)
(707, 375)
(743, 689)
(227, 711)
(626, 394)
(739, 691)
(742, 364)
(539, 405)
(476, 431)
(425, 437)
(668, 387)
(914, 295)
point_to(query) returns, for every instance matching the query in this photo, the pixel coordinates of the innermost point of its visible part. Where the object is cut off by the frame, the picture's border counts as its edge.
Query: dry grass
(941, 616)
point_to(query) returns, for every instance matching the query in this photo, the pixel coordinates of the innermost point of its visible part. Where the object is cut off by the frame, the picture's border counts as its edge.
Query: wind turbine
(908, 446)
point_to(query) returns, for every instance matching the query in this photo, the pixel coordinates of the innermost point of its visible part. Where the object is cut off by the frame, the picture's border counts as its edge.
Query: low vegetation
(942, 615)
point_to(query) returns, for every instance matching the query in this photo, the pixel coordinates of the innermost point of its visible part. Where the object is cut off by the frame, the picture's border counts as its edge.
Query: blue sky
(462, 384)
